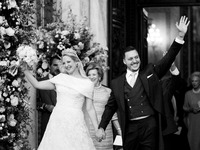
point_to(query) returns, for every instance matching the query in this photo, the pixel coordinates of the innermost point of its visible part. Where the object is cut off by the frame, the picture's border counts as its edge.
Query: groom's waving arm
(164, 64)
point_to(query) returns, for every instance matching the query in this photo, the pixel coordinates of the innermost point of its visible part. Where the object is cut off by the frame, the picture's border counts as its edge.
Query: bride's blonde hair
(72, 54)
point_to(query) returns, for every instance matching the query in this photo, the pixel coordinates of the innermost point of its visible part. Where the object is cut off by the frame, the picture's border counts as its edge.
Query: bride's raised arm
(43, 85)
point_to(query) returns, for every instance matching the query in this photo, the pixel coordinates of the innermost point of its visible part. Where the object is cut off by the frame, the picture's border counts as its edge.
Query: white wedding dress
(66, 129)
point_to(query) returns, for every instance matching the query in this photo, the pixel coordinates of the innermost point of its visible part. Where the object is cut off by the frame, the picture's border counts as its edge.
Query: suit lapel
(121, 90)
(144, 80)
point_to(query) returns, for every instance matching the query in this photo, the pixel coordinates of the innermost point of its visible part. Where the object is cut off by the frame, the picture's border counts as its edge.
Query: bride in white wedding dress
(66, 129)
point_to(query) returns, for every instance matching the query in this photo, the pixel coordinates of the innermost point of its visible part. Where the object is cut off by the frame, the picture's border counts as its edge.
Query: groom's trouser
(141, 134)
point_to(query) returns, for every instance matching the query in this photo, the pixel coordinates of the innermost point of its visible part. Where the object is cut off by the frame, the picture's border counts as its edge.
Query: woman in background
(192, 107)
(100, 98)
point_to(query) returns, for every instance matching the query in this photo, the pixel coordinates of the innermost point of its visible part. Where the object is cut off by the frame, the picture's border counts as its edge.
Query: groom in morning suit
(137, 97)
(46, 99)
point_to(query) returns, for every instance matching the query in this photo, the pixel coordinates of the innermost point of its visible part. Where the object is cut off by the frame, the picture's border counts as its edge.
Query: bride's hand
(23, 65)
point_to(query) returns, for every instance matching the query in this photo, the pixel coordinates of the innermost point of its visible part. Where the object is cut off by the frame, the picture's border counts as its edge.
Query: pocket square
(149, 76)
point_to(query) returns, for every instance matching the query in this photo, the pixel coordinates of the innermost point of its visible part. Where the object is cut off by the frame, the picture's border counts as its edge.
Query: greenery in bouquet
(16, 30)
(73, 34)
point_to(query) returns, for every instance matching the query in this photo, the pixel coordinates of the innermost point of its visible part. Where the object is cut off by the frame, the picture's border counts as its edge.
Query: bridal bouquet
(24, 53)
(28, 54)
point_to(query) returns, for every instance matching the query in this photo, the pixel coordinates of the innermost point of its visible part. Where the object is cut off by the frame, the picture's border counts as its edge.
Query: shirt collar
(129, 73)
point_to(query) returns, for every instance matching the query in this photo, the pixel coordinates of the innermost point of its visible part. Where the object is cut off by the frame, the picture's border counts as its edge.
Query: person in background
(192, 107)
(170, 85)
(180, 136)
(101, 94)
(46, 99)
(137, 96)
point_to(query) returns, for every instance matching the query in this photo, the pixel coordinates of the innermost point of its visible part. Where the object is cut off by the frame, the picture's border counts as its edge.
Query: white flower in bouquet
(1, 97)
(85, 61)
(45, 65)
(12, 4)
(5, 94)
(12, 135)
(3, 63)
(76, 47)
(31, 58)
(15, 83)
(77, 36)
(11, 120)
(27, 54)
(7, 45)
(45, 73)
(81, 45)
(2, 109)
(24, 134)
(2, 31)
(41, 44)
(1, 126)
(2, 80)
(91, 51)
(2, 118)
(7, 100)
(9, 31)
(39, 71)
(60, 46)
(14, 101)
(14, 62)
(2, 19)
(19, 80)
(12, 123)
(13, 68)
(105, 48)
(65, 32)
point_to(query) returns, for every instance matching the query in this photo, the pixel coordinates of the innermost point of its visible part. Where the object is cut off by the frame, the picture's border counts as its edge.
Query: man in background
(171, 84)
(46, 99)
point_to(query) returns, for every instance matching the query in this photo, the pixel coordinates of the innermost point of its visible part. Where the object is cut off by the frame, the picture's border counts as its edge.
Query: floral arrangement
(15, 30)
(57, 36)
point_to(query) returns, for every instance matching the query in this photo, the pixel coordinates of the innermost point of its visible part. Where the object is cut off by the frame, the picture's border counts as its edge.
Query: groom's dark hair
(127, 49)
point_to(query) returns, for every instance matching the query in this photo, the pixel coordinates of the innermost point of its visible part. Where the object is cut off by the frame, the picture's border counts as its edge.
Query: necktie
(133, 79)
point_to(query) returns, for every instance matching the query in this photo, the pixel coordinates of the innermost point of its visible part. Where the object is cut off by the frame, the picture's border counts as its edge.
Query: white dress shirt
(131, 77)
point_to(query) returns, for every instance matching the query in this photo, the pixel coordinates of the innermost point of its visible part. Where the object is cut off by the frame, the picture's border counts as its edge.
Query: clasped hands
(100, 134)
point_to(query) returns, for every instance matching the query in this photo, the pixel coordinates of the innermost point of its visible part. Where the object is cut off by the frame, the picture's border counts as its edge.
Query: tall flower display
(20, 40)
(16, 30)
(74, 34)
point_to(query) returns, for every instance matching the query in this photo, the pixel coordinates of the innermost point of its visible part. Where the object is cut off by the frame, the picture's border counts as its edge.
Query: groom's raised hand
(182, 26)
